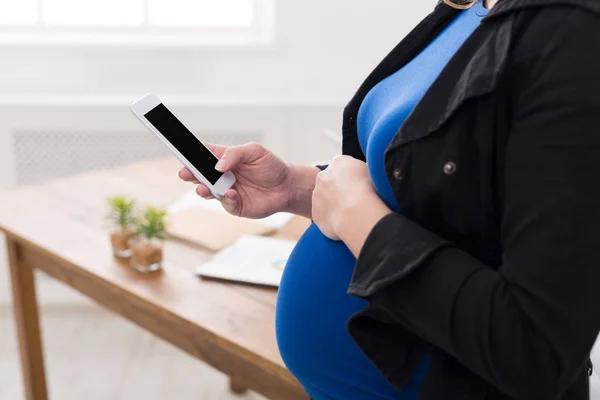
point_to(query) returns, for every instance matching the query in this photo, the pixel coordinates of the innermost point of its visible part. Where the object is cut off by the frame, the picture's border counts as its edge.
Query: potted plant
(121, 215)
(147, 247)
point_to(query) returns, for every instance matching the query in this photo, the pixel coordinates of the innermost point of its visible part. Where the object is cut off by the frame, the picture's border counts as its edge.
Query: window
(153, 20)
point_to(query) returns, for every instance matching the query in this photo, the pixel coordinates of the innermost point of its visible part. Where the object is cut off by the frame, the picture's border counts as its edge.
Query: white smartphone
(194, 155)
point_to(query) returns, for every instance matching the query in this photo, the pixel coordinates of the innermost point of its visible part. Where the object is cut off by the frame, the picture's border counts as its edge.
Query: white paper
(252, 259)
(191, 199)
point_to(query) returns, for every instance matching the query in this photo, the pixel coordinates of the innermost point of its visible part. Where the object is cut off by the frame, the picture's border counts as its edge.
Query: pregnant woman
(453, 253)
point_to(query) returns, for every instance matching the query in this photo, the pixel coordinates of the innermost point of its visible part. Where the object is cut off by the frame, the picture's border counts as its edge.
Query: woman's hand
(345, 205)
(265, 184)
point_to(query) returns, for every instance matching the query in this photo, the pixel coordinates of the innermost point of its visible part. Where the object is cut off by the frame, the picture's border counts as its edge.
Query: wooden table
(60, 229)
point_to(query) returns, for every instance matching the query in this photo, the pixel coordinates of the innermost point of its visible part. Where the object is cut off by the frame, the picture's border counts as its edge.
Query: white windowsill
(138, 41)
(125, 100)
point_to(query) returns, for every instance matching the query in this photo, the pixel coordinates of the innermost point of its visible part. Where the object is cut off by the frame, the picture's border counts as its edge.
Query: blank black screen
(184, 141)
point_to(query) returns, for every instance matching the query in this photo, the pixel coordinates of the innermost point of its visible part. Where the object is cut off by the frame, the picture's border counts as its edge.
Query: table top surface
(66, 220)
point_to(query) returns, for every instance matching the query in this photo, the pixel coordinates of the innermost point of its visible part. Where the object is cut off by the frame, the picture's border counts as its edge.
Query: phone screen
(184, 141)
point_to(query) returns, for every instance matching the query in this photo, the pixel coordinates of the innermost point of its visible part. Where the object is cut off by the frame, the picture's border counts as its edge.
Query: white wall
(323, 50)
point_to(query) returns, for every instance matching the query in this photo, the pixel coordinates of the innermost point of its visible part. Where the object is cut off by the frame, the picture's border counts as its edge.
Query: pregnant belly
(311, 315)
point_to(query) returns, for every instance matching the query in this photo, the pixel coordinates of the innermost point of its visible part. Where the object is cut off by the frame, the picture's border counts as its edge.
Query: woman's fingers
(186, 175)
(203, 192)
(232, 195)
(229, 157)
(231, 202)
(236, 155)
(216, 149)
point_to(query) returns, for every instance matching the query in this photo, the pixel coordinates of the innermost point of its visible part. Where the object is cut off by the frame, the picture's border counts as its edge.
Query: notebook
(251, 259)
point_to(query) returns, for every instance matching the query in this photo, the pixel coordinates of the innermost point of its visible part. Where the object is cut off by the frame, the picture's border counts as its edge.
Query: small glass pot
(146, 254)
(120, 239)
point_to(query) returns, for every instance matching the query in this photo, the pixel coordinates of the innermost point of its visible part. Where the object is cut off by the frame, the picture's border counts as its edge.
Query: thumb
(236, 155)
(231, 202)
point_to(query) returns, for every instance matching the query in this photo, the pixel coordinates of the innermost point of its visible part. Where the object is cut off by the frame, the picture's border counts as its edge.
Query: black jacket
(495, 269)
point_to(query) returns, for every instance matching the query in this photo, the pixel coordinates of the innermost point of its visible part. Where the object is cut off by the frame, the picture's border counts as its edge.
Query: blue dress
(312, 305)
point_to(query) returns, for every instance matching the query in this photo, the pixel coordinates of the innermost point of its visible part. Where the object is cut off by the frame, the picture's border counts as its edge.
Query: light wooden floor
(93, 355)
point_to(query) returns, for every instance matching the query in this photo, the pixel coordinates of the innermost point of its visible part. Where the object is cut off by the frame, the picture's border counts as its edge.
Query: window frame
(259, 32)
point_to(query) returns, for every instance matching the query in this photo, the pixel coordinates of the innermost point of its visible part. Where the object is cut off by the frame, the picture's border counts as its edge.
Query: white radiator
(48, 154)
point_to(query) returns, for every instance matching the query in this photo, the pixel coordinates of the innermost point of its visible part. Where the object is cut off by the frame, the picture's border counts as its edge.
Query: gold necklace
(460, 6)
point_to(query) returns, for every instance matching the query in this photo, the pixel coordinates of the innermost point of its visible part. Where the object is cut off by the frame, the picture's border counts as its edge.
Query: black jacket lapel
(401, 55)
(463, 78)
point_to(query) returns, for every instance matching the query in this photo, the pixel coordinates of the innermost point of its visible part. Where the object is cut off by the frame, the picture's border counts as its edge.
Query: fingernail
(220, 165)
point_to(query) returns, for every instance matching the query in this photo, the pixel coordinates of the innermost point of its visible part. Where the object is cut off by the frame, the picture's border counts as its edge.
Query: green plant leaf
(151, 224)
(121, 210)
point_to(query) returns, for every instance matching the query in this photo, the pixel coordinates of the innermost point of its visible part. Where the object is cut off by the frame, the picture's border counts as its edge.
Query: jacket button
(398, 175)
(449, 168)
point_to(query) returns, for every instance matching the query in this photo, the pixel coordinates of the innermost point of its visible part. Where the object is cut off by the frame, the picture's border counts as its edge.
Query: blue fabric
(312, 306)
(388, 104)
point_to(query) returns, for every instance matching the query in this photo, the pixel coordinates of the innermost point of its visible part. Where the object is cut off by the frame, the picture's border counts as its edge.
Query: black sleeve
(526, 328)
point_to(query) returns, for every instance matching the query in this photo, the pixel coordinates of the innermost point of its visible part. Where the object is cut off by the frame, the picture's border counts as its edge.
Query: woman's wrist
(356, 222)
(301, 185)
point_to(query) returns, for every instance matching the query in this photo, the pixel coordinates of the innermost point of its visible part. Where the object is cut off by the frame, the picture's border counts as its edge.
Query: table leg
(28, 326)
(236, 387)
